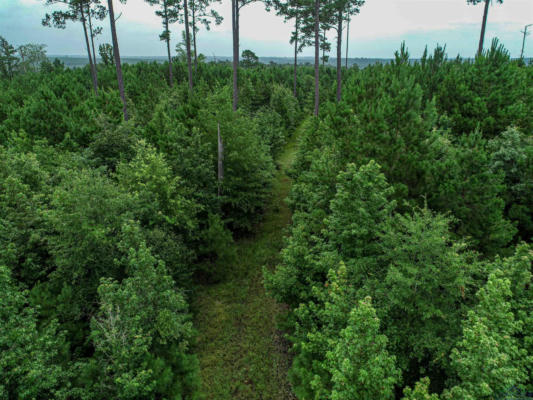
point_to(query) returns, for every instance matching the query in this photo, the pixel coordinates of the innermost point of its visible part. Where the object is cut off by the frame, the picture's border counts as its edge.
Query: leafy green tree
(249, 59)
(272, 129)
(87, 211)
(420, 391)
(162, 198)
(31, 56)
(23, 188)
(488, 95)
(286, 105)
(486, 359)
(360, 206)
(181, 50)
(512, 153)
(31, 356)
(319, 322)
(114, 144)
(461, 181)
(8, 60)
(517, 268)
(300, 266)
(361, 367)
(423, 260)
(362, 199)
(106, 53)
(142, 334)
(163, 206)
(189, 153)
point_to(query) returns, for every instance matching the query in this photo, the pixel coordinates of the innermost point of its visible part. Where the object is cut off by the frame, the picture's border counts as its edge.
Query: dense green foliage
(407, 271)
(415, 191)
(105, 224)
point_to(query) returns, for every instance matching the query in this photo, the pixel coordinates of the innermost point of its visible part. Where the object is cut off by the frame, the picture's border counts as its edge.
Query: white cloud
(383, 23)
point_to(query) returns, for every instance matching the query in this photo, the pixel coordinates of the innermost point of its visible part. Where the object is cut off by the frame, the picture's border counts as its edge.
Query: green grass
(242, 355)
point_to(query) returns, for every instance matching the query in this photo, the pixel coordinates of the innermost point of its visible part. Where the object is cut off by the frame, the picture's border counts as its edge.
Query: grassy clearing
(242, 355)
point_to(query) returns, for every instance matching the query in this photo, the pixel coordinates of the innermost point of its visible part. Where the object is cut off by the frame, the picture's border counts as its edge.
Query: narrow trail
(241, 353)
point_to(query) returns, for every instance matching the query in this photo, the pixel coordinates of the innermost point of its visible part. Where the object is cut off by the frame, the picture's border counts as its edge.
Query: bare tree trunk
(347, 40)
(294, 90)
(220, 159)
(235, 28)
(91, 64)
(188, 41)
(116, 54)
(167, 39)
(238, 30)
(317, 55)
(324, 47)
(483, 26)
(339, 56)
(194, 38)
(92, 38)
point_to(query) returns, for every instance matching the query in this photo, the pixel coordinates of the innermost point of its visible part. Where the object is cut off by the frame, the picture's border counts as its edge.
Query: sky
(377, 31)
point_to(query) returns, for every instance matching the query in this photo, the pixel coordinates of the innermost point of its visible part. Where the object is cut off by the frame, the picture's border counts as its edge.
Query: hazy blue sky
(376, 32)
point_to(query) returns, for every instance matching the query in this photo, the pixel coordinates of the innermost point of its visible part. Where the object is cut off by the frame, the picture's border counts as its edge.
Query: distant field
(79, 61)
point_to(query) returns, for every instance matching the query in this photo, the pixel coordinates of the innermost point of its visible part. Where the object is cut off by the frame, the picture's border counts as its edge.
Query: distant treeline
(81, 61)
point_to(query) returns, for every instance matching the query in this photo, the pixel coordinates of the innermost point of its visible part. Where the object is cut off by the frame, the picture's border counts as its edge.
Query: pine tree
(78, 10)
(201, 14)
(8, 60)
(116, 56)
(487, 359)
(360, 365)
(341, 11)
(484, 22)
(168, 12)
(31, 356)
(427, 281)
(142, 333)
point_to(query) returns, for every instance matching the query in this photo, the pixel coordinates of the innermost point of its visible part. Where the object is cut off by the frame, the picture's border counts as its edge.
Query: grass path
(242, 355)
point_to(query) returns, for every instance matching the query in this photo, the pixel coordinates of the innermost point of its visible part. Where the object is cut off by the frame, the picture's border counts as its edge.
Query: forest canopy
(405, 272)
